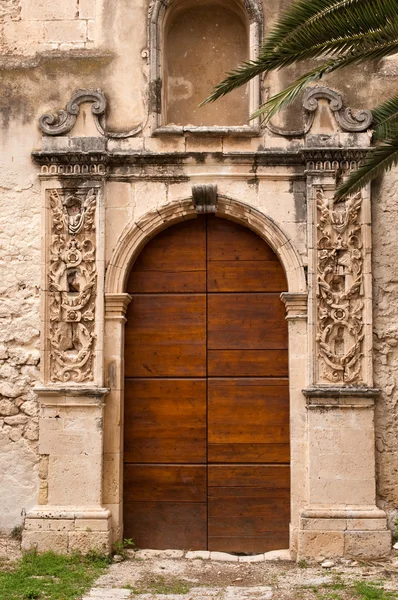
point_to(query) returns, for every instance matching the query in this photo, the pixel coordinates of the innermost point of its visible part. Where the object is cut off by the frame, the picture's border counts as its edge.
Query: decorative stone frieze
(340, 318)
(340, 160)
(72, 284)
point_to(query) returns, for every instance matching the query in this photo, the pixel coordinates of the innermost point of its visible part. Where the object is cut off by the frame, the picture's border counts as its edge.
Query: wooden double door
(206, 456)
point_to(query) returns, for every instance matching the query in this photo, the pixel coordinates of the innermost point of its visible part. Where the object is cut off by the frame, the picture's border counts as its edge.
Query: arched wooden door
(206, 456)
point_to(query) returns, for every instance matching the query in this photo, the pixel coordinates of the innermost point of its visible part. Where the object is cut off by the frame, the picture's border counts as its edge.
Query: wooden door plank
(251, 453)
(229, 241)
(165, 421)
(164, 525)
(165, 483)
(245, 276)
(173, 261)
(248, 363)
(261, 476)
(246, 321)
(166, 336)
(248, 420)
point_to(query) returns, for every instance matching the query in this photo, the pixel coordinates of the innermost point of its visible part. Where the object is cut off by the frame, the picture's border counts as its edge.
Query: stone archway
(131, 242)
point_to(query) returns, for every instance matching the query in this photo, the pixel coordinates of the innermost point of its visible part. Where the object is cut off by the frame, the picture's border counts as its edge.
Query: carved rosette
(72, 284)
(340, 305)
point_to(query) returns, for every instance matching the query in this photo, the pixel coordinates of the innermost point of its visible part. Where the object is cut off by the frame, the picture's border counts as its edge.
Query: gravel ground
(147, 577)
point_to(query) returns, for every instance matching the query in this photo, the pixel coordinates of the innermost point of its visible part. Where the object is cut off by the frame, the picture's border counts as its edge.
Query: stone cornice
(296, 305)
(323, 397)
(116, 305)
(113, 158)
(340, 392)
(91, 158)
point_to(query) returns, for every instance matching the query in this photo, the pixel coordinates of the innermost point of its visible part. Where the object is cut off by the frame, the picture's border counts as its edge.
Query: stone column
(115, 310)
(340, 517)
(296, 315)
(70, 515)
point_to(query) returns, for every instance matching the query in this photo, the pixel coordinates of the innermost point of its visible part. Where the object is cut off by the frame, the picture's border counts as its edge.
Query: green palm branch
(338, 33)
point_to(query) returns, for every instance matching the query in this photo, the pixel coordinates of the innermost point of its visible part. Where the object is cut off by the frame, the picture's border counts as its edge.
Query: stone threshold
(208, 555)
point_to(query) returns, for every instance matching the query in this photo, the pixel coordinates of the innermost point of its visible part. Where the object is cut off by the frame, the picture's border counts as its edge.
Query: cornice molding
(296, 305)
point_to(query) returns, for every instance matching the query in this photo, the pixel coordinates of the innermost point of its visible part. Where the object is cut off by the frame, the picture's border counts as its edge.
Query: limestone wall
(47, 51)
(385, 315)
(19, 331)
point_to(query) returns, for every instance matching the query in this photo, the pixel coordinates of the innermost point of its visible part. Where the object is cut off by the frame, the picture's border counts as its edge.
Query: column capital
(116, 305)
(296, 305)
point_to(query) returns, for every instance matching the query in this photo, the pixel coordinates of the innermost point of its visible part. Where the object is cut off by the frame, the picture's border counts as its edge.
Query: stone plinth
(341, 518)
(69, 516)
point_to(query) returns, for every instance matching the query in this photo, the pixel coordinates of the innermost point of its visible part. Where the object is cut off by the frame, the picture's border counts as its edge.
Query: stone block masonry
(31, 26)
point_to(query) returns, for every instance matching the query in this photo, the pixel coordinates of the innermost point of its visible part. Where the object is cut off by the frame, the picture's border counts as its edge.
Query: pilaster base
(66, 530)
(349, 533)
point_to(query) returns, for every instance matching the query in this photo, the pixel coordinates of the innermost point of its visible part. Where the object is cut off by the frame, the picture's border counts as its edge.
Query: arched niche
(192, 44)
(203, 40)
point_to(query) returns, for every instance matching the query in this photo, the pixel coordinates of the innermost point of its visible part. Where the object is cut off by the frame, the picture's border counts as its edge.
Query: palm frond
(282, 100)
(381, 159)
(314, 28)
(385, 119)
(308, 22)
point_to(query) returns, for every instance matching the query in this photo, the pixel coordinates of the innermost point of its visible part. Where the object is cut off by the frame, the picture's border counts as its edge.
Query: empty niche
(203, 40)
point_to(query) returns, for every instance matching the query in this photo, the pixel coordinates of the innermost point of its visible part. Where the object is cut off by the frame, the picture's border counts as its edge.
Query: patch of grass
(370, 591)
(159, 585)
(336, 585)
(50, 576)
(16, 533)
(302, 564)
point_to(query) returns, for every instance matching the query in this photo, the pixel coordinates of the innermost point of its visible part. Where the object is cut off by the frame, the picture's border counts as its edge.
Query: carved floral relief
(340, 324)
(72, 279)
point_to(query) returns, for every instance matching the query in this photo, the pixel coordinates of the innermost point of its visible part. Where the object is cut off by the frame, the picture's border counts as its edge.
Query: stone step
(107, 594)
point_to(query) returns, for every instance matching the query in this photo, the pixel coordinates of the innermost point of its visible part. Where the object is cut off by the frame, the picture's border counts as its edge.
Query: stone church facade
(103, 147)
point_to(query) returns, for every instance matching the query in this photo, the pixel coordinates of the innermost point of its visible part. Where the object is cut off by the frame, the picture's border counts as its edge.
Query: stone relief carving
(72, 279)
(347, 120)
(66, 119)
(339, 288)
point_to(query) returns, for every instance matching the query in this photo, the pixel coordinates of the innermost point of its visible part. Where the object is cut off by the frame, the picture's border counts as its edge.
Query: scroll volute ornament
(72, 285)
(340, 306)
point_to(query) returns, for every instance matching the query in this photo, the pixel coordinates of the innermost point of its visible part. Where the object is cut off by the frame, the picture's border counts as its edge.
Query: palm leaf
(284, 98)
(305, 14)
(381, 159)
(313, 28)
(368, 18)
(385, 119)
(364, 16)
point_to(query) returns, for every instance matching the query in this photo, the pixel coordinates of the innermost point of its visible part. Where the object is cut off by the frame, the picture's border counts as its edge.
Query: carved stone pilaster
(72, 284)
(296, 305)
(339, 288)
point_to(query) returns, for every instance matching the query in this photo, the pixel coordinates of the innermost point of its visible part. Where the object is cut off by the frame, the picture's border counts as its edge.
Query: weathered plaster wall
(385, 324)
(48, 50)
(19, 329)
